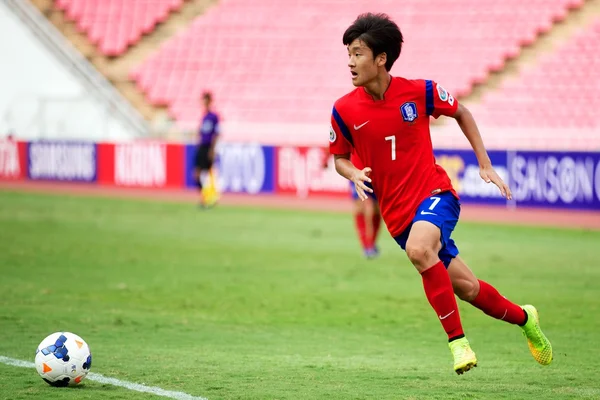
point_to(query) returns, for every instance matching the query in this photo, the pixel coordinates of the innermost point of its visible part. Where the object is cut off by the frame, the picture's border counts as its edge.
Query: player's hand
(359, 179)
(488, 174)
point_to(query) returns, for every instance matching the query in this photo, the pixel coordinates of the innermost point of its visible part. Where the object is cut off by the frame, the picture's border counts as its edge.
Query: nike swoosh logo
(447, 315)
(360, 126)
(427, 213)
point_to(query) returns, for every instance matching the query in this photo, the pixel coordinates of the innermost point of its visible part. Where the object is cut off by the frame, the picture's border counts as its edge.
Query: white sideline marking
(115, 382)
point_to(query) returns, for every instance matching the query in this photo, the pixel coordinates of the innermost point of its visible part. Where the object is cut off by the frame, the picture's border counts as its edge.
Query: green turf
(242, 303)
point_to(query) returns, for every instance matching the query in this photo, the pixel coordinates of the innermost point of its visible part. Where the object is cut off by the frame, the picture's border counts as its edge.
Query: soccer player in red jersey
(385, 120)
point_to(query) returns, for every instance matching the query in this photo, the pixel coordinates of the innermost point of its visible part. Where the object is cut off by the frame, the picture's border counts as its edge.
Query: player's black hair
(207, 95)
(379, 33)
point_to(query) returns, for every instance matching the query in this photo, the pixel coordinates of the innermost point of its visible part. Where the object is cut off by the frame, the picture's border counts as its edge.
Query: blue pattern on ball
(58, 349)
(88, 363)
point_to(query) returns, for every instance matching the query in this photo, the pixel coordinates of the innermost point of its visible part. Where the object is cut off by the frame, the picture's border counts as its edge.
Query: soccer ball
(63, 359)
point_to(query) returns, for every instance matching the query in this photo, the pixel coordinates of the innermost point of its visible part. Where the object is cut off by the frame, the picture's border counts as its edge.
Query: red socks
(359, 222)
(439, 292)
(376, 225)
(497, 306)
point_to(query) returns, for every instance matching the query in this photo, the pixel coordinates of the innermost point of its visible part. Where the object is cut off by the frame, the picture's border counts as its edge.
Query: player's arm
(440, 102)
(345, 168)
(341, 148)
(215, 139)
(468, 126)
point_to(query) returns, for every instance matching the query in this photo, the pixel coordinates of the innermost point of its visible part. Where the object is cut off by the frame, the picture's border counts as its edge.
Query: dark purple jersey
(209, 128)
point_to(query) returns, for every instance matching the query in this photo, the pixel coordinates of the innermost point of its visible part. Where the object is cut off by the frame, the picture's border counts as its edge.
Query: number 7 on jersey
(393, 140)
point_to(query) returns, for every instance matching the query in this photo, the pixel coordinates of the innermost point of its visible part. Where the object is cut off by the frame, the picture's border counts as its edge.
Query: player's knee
(467, 290)
(420, 255)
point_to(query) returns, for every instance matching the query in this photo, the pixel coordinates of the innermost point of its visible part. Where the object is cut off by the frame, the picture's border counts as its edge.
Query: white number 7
(435, 201)
(393, 139)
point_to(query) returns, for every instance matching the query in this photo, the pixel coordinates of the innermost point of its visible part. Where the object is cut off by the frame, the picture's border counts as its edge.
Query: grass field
(241, 303)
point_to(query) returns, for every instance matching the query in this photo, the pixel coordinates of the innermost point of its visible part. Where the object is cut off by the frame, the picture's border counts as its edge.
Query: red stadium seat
(286, 63)
(559, 92)
(113, 25)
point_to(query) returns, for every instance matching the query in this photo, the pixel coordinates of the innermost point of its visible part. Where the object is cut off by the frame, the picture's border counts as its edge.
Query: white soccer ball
(63, 359)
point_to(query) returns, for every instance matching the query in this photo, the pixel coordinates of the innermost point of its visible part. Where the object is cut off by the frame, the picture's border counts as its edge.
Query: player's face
(363, 66)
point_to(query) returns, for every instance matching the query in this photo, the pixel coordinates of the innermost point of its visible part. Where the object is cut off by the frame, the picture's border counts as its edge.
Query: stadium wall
(562, 180)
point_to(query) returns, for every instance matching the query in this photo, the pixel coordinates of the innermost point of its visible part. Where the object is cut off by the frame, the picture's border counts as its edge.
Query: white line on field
(115, 382)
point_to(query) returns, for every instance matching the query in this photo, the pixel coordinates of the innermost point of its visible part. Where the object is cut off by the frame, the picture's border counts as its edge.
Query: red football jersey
(392, 137)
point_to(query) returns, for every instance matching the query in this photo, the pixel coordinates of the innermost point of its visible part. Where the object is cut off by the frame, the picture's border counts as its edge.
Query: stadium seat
(286, 63)
(113, 25)
(556, 94)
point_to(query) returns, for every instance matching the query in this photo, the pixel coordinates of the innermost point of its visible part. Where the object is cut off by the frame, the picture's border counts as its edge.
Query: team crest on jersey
(409, 111)
(442, 93)
(332, 135)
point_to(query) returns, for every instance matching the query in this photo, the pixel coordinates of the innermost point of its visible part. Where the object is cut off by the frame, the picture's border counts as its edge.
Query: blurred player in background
(367, 218)
(204, 175)
(385, 120)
